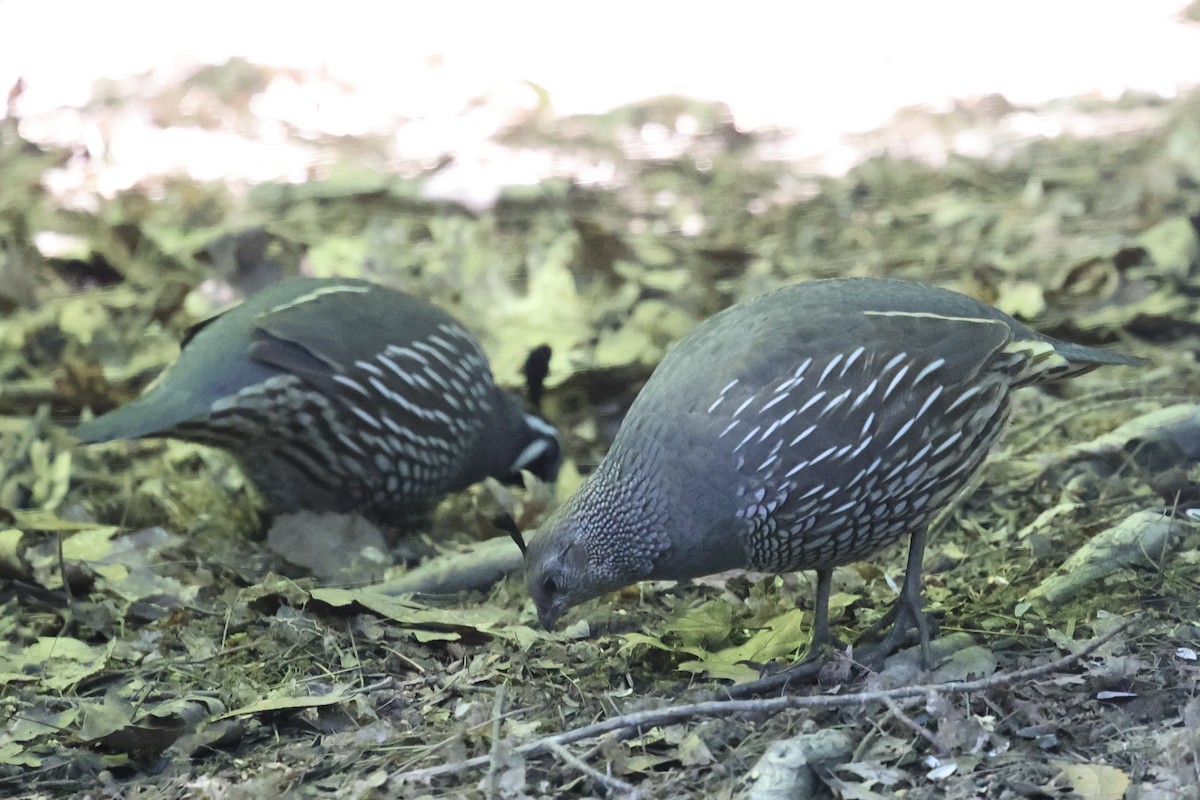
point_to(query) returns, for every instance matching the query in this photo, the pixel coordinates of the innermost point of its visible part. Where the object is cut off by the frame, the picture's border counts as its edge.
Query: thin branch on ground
(613, 784)
(771, 705)
(904, 719)
(493, 776)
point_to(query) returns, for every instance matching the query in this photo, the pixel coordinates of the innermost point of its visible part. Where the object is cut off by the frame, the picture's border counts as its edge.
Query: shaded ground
(192, 660)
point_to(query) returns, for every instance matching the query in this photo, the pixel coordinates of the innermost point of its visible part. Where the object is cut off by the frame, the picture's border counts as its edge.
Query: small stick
(613, 784)
(493, 776)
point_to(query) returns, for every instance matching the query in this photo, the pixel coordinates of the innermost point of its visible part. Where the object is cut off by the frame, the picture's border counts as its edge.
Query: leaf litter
(156, 642)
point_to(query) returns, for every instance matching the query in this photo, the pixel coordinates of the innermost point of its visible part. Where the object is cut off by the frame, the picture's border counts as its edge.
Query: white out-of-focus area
(444, 77)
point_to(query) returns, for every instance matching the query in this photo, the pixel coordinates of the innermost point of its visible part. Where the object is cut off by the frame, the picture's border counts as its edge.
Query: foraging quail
(341, 395)
(803, 429)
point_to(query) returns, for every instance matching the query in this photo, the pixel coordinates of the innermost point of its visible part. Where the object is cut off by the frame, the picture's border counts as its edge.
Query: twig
(900, 714)
(492, 788)
(614, 784)
(30, 433)
(771, 705)
(354, 648)
(1016, 444)
(479, 566)
(69, 617)
(377, 686)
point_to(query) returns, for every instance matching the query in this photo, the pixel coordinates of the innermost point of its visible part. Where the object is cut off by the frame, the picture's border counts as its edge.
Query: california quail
(341, 395)
(803, 429)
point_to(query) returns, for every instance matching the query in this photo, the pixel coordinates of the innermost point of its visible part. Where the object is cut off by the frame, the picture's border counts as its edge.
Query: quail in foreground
(341, 395)
(803, 429)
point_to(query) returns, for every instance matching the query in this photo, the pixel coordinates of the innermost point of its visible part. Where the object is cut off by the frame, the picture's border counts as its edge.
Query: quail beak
(548, 617)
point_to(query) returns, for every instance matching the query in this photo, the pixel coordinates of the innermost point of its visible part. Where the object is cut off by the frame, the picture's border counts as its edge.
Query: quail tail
(1082, 355)
(130, 421)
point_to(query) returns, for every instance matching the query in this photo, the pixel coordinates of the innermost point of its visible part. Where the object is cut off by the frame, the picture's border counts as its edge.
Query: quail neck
(623, 526)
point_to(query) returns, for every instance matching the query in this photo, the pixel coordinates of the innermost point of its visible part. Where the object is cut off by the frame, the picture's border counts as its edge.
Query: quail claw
(905, 616)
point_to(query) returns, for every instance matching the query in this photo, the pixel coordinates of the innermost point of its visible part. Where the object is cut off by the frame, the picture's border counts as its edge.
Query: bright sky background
(817, 67)
(775, 62)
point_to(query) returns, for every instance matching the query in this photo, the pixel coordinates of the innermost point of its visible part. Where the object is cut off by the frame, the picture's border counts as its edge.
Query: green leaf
(782, 636)
(708, 624)
(57, 662)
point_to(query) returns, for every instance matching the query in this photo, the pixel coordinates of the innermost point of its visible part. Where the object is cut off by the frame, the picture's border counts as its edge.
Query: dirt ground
(196, 654)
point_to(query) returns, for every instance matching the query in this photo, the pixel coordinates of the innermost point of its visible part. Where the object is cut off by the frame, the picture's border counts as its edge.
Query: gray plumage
(803, 429)
(341, 395)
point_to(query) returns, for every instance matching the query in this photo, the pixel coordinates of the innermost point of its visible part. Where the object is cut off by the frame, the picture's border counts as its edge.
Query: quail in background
(803, 429)
(341, 395)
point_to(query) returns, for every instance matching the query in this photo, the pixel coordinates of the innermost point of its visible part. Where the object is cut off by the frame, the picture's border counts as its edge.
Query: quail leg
(821, 637)
(811, 665)
(906, 613)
